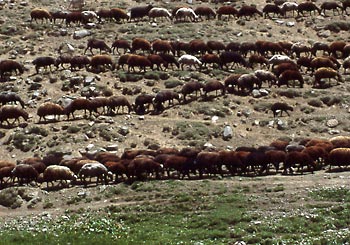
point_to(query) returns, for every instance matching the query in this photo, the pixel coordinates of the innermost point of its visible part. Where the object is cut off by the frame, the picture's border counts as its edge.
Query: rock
(324, 34)
(123, 130)
(88, 80)
(256, 93)
(208, 145)
(290, 23)
(263, 92)
(228, 133)
(333, 131)
(214, 119)
(81, 34)
(112, 148)
(281, 125)
(332, 123)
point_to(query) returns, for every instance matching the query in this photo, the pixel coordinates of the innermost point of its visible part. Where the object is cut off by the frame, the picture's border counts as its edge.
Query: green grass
(197, 212)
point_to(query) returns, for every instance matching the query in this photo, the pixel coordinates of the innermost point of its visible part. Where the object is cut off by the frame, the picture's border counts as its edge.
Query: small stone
(112, 148)
(333, 131)
(228, 132)
(123, 130)
(290, 23)
(263, 92)
(81, 34)
(332, 123)
(256, 93)
(214, 119)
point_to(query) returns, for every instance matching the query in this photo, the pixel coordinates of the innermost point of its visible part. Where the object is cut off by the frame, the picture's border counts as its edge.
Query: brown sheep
(319, 62)
(75, 17)
(190, 87)
(232, 57)
(104, 157)
(209, 163)
(231, 161)
(96, 103)
(138, 60)
(275, 157)
(280, 68)
(131, 154)
(308, 7)
(215, 46)
(249, 11)
(104, 14)
(337, 46)
(142, 102)
(58, 14)
(318, 153)
(346, 51)
(213, 86)
(272, 8)
(121, 43)
(57, 172)
(41, 14)
(231, 82)
(298, 159)
(170, 60)
(331, 5)
(175, 163)
(24, 173)
(246, 83)
(36, 162)
(210, 59)
(345, 5)
(326, 72)
(101, 61)
(320, 46)
(268, 76)
(11, 112)
(205, 11)
(5, 172)
(161, 46)
(304, 62)
(7, 97)
(299, 48)
(179, 46)
(7, 66)
(163, 96)
(233, 46)
(44, 61)
(49, 108)
(290, 75)
(139, 12)
(279, 144)
(140, 43)
(63, 59)
(77, 104)
(227, 10)
(257, 59)
(79, 61)
(143, 167)
(280, 107)
(118, 101)
(97, 44)
(119, 14)
(123, 60)
(198, 46)
(158, 61)
(346, 64)
(119, 168)
(338, 157)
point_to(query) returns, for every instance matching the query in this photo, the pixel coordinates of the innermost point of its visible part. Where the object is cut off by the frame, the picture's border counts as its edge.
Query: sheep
(58, 14)
(24, 172)
(76, 163)
(271, 8)
(257, 59)
(181, 164)
(345, 5)
(294, 147)
(275, 157)
(205, 11)
(338, 157)
(41, 14)
(11, 112)
(233, 46)
(280, 107)
(337, 46)
(279, 144)
(101, 61)
(189, 60)
(264, 47)
(232, 57)
(213, 85)
(268, 76)
(346, 51)
(249, 11)
(319, 62)
(57, 172)
(232, 161)
(118, 101)
(317, 153)
(123, 60)
(161, 46)
(280, 68)
(170, 59)
(75, 17)
(247, 47)
(215, 46)
(9, 66)
(49, 108)
(79, 61)
(120, 43)
(346, 64)
(186, 13)
(94, 170)
(307, 6)
(96, 103)
(104, 157)
(6, 97)
(140, 166)
(158, 61)
(227, 10)
(44, 61)
(299, 48)
(159, 13)
(138, 60)
(208, 162)
(5, 172)
(330, 6)
(165, 95)
(131, 154)
(246, 82)
(180, 46)
(317, 46)
(304, 62)
(35, 162)
(190, 87)
(278, 59)
(119, 168)
(119, 14)
(77, 104)
(298, 159)
(63, 59)
(340, 141)
(140, 43)
(104, 14)
(290, 75)
(231, 82)
(139, 12)
(140, 102)
(198, 46)
(97, 44)
(210, 59)
(289, 6)
(326, 72)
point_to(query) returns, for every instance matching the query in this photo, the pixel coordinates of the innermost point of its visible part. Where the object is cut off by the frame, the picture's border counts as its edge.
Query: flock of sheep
(104, 167)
